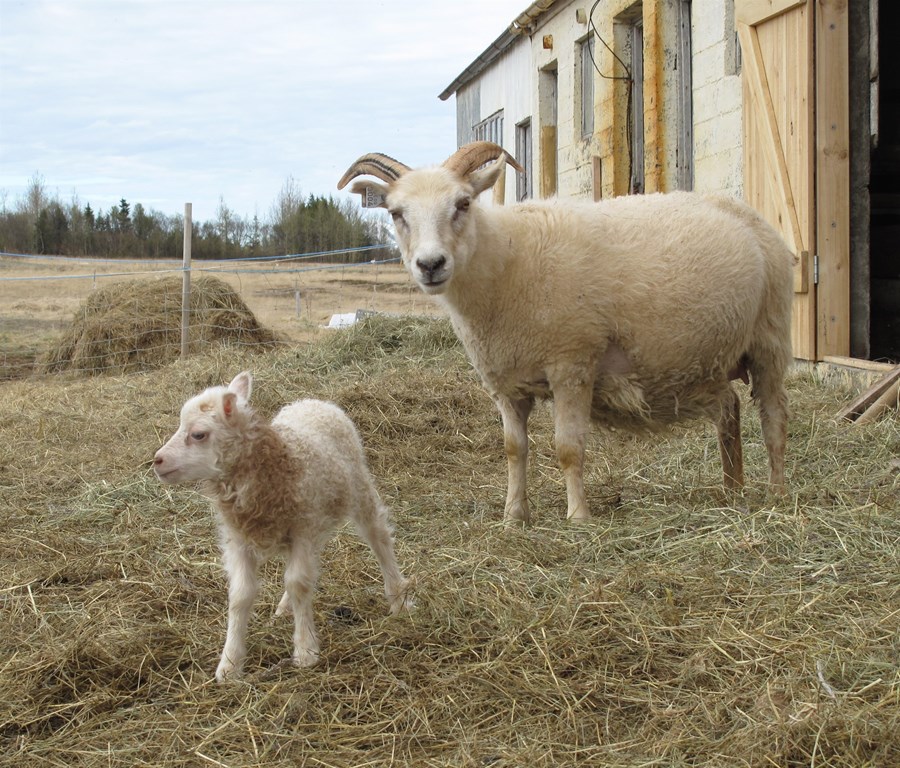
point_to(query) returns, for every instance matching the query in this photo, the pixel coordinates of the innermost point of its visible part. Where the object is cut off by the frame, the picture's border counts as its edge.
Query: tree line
(43, 224)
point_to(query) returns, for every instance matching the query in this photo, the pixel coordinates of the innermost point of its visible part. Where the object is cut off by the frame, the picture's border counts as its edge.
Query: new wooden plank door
(796, 165)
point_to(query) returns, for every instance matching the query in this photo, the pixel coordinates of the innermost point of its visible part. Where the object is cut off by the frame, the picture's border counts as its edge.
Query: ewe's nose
(431, 264)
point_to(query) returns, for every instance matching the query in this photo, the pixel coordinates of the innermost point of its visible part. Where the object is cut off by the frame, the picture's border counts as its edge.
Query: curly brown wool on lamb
(278, 489)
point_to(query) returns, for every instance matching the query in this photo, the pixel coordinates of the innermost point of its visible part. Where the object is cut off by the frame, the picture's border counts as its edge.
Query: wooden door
(832, 178)
(796, 162)
(779, 150)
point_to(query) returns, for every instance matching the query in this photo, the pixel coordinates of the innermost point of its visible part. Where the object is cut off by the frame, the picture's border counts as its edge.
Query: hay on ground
(136, 324)
(681, 626)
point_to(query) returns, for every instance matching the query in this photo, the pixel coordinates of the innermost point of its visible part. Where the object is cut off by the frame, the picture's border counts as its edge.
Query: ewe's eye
(397, 216)
(199, 437)
(461, 207)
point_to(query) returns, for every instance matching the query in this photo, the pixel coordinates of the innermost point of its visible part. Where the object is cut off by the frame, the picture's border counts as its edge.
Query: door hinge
(815, 269)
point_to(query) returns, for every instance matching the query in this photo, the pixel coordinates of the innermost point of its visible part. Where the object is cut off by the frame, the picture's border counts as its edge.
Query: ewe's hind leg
(514, 414)
(572, 407)
(301, 573)
(771, 396)
(240, 564)
(372, 525)
(729, 428)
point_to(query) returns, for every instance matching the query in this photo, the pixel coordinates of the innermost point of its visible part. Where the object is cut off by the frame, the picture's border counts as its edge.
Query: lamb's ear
(229, 404)
(242, 385)
(486, 177)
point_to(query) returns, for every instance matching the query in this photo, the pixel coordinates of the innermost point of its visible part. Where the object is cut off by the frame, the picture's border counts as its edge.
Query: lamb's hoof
(402, 601)
(226, 672)
(402, 604)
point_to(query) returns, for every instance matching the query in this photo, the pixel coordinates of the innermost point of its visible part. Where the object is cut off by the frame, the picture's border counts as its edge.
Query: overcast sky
(164, 102)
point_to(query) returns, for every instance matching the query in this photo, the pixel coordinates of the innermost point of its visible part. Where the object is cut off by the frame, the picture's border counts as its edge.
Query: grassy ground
(40, 297)
(679, 627)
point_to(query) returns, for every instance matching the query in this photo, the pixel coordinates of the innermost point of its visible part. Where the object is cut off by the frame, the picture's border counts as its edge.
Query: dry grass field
(681, 626)
(38, 297)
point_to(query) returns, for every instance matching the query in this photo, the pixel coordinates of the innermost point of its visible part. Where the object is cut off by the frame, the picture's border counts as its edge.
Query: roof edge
(484, 60)
(523, 24)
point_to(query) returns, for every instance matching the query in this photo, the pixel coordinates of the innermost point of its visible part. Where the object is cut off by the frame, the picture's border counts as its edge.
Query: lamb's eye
(397, 216)
(199, 437)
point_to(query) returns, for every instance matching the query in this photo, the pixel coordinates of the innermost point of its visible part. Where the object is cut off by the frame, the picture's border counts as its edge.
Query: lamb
(635, 312)
(280, 488)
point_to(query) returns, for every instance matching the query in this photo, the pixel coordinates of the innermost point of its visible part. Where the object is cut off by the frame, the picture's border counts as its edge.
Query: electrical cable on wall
(629, 103)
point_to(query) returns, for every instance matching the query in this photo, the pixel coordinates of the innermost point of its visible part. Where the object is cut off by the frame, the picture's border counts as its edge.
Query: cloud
(163, 102)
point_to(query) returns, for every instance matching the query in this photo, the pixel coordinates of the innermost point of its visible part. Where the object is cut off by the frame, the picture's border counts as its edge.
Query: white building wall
(512, 83)
(718, 121)
(509, 85)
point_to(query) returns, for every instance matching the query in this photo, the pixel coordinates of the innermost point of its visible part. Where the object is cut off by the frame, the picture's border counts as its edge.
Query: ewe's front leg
(515, 438)
(240, 565)
(572, 408)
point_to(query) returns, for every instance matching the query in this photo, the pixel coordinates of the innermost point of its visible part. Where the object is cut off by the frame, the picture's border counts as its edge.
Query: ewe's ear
(241, 385)
(371, 192)
(486, 177)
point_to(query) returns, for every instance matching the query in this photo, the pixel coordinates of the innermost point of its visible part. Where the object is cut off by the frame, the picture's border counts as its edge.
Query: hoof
(306, 658)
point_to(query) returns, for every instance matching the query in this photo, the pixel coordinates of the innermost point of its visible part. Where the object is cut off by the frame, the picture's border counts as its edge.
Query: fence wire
(47, 304)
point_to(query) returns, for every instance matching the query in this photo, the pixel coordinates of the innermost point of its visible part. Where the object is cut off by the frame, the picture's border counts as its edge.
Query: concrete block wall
(718, 116)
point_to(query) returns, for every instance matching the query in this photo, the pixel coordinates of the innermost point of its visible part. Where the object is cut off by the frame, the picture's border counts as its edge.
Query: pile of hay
(136, 324)
(679, 627)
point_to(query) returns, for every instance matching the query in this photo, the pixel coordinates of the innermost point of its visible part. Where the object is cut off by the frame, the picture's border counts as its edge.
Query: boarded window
(490, 129)
(587, 87)
(637, 107)
(548, 106)
(523, 156)
(684, 158)
(732, 44)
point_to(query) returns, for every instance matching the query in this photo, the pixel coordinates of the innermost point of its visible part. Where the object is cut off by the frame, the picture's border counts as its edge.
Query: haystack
(136, 324)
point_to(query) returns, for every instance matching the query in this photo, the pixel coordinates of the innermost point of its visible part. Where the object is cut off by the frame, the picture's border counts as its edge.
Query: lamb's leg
(515, 415)
(372, 525)
(240, 565)
(284, 606)
(300, 576)
(729, 429)
(572, 407)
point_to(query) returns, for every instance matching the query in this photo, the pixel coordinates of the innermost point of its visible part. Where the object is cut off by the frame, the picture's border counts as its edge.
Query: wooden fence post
(186, 281)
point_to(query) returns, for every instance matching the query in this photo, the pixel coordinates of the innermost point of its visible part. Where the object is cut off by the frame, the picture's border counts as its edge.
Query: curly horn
(374, 164)
(471, 156)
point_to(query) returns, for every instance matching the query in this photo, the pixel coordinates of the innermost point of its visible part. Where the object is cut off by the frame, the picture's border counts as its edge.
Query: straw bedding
(679, 627)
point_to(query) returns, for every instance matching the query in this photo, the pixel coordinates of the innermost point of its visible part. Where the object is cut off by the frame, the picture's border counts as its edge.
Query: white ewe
(279, 488)
(635, 312)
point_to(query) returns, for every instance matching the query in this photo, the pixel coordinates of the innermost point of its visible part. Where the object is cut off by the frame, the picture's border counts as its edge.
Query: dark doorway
(884, 186)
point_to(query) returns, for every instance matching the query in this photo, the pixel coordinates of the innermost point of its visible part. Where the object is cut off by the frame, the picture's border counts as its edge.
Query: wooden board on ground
(867, 399)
